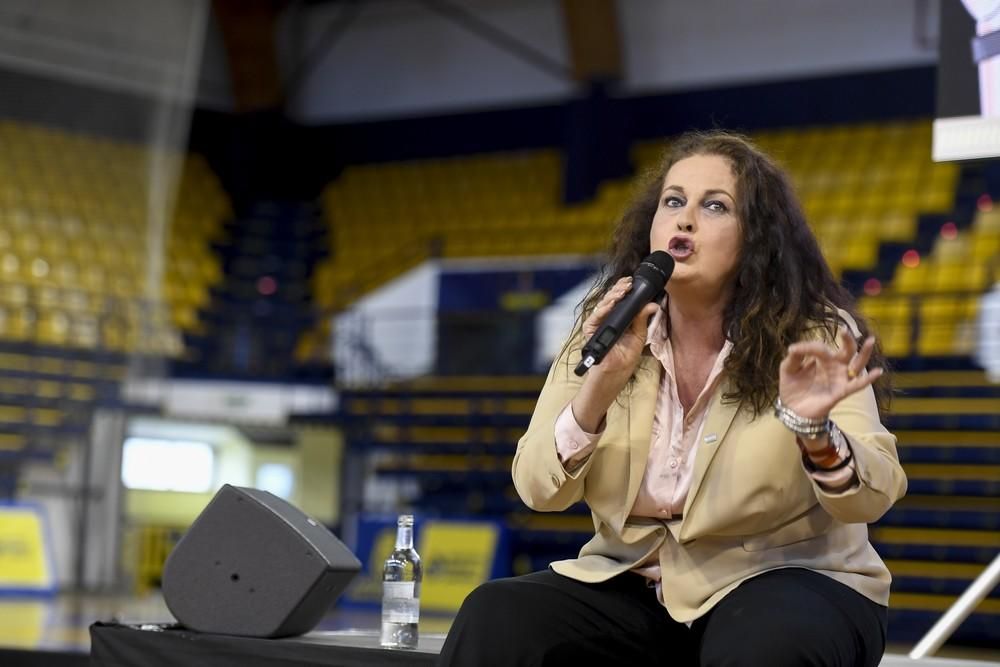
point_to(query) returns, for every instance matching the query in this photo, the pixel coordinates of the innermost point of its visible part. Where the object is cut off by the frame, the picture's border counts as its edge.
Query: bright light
(168, 465)
(276, 478)
(949, 231)
(984, 203)
(911, 259)
(873, 286)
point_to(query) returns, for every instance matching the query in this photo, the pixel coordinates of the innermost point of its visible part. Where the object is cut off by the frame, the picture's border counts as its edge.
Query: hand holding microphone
(615, 316)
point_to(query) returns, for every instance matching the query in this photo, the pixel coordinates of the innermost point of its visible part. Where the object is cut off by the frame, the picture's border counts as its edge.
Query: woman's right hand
(604, 381)
(623, 357)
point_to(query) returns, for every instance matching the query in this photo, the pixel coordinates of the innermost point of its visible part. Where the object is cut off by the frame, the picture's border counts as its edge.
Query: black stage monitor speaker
(253, 565)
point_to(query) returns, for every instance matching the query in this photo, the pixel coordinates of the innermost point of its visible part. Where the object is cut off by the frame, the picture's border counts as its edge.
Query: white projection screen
(967, 125)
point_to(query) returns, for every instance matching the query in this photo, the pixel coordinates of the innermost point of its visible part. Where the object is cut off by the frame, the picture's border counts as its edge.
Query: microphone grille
(657, 267)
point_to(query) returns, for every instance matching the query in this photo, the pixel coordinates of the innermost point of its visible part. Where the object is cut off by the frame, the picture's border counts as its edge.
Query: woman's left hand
(815, 376)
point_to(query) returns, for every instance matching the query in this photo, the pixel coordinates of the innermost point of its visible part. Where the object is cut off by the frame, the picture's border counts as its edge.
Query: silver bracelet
(804, 427)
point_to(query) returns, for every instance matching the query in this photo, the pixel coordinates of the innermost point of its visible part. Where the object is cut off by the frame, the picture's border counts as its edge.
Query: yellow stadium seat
(947, 276)
(937, 199)
(10, 267)
(941, 309)
(936, 339)
(52, 328)
(910, 280)
(860, 252)
(897, 227)
(84, 331)
(988, 220)
(895, 339)
(21, 323)
(985, 245)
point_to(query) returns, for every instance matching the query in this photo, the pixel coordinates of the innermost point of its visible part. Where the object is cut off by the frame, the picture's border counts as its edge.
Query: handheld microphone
(647, 284)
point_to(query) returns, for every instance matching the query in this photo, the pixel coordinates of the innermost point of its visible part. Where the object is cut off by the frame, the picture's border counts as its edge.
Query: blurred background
(328, 248)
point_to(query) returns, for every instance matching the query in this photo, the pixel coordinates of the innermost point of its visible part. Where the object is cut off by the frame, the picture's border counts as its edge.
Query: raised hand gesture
(815, 376)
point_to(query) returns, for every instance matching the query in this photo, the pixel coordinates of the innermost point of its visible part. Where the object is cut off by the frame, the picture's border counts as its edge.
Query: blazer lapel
(641, 409)
(720, 418)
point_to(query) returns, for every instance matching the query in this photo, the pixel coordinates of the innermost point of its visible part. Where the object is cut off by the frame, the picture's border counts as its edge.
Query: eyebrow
(713, 191)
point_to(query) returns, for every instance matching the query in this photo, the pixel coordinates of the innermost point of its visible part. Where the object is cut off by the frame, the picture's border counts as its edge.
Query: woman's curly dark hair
(784, 288)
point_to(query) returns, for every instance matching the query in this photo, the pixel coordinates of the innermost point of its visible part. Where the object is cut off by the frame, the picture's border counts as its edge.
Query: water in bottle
(401, 577)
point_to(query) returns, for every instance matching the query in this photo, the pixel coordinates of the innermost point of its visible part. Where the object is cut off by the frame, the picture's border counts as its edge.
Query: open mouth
(680, 247)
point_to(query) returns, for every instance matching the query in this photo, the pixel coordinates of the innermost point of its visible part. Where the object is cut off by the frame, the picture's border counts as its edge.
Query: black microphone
(647, 284)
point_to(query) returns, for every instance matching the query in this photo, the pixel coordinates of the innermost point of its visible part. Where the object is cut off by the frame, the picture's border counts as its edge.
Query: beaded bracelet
(805, 427)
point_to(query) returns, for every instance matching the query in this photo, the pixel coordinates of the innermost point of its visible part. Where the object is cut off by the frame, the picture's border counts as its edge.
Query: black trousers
(787, 617)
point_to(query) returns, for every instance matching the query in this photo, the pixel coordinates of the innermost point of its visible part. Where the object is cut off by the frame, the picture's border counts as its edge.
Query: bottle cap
(405, 520)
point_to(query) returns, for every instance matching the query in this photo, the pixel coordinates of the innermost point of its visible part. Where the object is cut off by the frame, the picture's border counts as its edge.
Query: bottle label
(399, 604)
(402, 612)
(397, 589)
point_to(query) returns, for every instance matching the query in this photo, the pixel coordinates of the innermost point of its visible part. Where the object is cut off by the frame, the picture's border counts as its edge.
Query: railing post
(958, 612)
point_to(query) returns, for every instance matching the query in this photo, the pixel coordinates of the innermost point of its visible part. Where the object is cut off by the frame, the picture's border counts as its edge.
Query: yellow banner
(24, 561)
(456, 557)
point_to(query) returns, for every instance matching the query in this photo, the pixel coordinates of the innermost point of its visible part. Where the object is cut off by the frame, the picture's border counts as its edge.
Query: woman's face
(696, 222)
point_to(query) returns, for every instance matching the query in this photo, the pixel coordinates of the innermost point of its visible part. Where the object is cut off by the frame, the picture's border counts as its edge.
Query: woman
(729, 448)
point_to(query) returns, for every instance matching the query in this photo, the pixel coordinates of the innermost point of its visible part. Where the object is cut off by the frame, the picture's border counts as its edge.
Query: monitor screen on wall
(967, 125)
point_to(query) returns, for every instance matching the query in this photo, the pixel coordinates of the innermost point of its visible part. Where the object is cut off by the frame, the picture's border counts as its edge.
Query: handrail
(958, 612)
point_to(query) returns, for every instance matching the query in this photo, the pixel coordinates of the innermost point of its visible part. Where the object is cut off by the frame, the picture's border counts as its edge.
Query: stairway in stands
(453, 439)
(264, 302)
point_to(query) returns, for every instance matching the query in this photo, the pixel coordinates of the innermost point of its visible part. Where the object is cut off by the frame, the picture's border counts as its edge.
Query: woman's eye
(673, 202)
(716, 206)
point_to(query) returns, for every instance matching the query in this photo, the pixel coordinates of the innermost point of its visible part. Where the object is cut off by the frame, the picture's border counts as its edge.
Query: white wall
(145, 46)
(214, 89)
(555, 323)
(400, 59)
(398, 322)
(683, 45)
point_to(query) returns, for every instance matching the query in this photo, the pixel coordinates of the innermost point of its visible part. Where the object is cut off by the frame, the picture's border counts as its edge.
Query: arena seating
(385, 219)
(861, 186)
(940, 292)
(78, 247)
(77, 252)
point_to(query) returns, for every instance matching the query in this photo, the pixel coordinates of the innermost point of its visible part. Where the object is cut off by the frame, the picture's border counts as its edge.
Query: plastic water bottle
(401, 578)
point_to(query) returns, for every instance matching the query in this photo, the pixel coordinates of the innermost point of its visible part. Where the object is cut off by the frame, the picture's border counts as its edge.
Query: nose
(685, 219)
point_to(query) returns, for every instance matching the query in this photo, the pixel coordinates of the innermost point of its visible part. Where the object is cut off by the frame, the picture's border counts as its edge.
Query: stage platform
(56, 632)
(156, 645)
(152, 645)
(170, 646)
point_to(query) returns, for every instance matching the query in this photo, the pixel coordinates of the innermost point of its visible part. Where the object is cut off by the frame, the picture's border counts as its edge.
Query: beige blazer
(751, 506)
